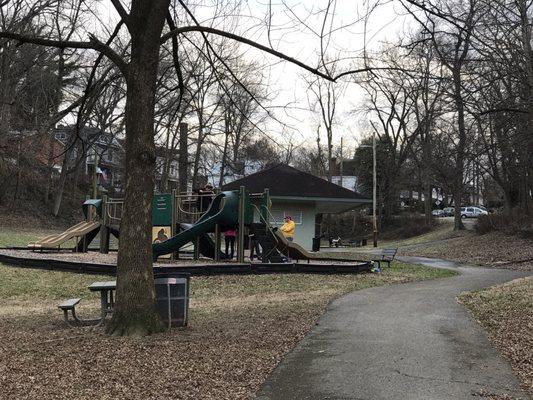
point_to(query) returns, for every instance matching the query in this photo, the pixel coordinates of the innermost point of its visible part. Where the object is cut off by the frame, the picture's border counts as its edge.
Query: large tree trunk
(197, 153)
(135, 312)
(61, 184)
(459, 160)
(528, 145)
(426, 178)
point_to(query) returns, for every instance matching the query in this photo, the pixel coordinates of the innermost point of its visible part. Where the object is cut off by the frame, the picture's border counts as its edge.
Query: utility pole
(95, 174)
(374, 190)
(183, 159)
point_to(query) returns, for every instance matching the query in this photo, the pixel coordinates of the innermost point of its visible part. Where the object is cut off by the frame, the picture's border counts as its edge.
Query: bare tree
(324, 96)
(449, 25)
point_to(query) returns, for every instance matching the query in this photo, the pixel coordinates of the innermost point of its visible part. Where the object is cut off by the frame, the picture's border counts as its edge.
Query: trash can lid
(170, 274)
(170, 281)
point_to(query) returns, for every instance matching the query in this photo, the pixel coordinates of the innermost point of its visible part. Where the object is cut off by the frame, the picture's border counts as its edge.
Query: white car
(437, 213)
(472, 212)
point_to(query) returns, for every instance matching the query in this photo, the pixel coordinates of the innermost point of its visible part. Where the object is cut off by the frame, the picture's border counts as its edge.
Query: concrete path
(411, 341)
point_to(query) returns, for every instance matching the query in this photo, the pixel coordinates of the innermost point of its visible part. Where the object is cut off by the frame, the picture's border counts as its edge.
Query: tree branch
(93, 44)
(121, 11)
(315, 71)
(175, 60)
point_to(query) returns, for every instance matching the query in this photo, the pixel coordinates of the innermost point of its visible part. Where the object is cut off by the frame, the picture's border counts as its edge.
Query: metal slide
(223, 211)
(297, 252)
(76, 231)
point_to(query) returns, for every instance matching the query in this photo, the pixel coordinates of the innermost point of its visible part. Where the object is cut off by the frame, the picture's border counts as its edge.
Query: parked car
(472, 212)
(437, 213)
(449, 211)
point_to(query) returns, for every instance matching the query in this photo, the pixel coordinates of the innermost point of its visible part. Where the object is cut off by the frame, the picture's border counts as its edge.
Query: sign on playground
(162, 210)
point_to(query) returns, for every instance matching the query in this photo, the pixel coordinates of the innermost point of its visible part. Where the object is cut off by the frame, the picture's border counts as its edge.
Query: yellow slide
(76, 231)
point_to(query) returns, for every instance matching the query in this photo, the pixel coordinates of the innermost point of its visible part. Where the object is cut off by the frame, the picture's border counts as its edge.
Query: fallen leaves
(240, 327)
(493, 249)
(506, 311)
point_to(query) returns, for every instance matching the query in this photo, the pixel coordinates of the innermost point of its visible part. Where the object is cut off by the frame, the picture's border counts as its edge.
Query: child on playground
(229, 237)
(288, 228)
(205, 197)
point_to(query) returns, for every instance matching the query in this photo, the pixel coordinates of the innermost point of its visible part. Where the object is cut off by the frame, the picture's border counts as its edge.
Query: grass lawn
(493, 249)
(443, 230)
(239, 329)
(12, 237)
(506, 312)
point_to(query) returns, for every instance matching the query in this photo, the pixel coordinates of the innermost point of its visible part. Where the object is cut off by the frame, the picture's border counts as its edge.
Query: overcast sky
(295, 25)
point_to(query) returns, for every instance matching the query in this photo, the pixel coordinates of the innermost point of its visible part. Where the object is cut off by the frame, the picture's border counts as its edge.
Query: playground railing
(189, 206)
(114, 209)
(268, 225)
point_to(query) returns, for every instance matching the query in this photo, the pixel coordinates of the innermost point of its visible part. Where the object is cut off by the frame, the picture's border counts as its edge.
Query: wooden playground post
(104, 228)
(173, 229)
(240, 248)
(217, 242)
(265, 202)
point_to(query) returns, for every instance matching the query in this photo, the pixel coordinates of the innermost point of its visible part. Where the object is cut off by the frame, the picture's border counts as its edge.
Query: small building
(303, 196)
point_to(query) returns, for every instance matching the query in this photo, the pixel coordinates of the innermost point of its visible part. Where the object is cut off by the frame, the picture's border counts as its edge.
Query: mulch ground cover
(226, 355)
(240, 327)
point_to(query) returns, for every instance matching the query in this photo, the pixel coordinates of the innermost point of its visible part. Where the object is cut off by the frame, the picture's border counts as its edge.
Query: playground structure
(180, 219)
(84, 232)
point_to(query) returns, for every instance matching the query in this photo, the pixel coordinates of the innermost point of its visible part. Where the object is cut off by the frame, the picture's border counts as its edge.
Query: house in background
(303, 196)
(343, 173)
(42, 151)
(100, 148)
(163, 154)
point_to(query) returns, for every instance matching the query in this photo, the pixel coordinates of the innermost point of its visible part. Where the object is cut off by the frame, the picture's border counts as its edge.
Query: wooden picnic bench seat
(67, 305)
(387, 255)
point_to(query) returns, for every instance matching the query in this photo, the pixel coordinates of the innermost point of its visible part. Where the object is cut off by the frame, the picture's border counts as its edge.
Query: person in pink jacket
(229, 237)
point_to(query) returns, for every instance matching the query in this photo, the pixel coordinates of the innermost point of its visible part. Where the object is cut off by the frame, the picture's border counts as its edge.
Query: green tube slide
(224, 211)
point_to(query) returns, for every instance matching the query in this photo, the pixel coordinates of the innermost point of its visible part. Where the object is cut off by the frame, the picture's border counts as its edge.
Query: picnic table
(107, 301)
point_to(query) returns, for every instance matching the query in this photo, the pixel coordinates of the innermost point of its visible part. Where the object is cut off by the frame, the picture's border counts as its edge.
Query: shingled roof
(283, 180)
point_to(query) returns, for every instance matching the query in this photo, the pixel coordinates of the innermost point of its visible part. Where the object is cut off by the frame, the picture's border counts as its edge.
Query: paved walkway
(411, 341)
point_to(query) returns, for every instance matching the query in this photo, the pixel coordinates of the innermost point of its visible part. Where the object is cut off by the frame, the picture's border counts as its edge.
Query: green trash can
(172, 299)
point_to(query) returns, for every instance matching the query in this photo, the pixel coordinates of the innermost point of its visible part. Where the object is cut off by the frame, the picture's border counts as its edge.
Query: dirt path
(410, 341)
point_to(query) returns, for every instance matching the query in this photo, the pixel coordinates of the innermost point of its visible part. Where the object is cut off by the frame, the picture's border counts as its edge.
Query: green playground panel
(96, 203)
(248, 209)
(162, 209)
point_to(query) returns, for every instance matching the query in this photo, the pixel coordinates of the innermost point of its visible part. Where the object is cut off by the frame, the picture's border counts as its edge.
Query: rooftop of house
(285, 181)
(89, 134)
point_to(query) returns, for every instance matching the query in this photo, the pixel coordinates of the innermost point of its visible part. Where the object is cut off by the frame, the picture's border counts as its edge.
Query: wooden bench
(387, 255)
(67, 305)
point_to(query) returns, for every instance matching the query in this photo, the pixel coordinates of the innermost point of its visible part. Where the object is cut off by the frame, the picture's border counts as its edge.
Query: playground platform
(93, 262)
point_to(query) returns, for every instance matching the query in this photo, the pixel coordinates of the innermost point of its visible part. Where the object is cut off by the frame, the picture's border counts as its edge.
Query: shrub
(405, 226)
(513, 222)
